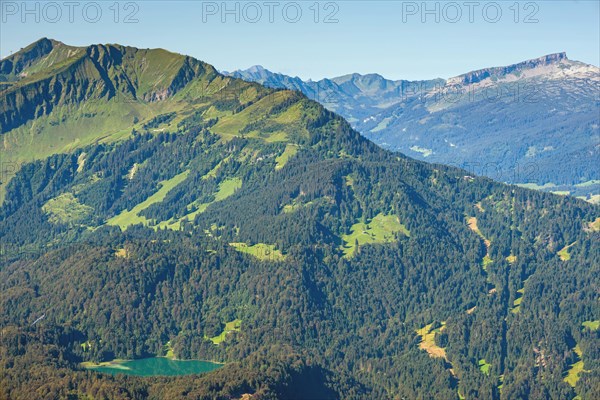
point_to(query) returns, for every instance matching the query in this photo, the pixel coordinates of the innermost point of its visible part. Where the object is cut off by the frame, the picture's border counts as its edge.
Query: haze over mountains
(535, 122)
(154, 207)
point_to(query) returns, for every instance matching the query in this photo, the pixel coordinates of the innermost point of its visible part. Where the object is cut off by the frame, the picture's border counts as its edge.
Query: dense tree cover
(36, 363)
(345, 326)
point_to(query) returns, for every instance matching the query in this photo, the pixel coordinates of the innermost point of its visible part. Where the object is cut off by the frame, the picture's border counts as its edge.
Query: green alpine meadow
(169, 232)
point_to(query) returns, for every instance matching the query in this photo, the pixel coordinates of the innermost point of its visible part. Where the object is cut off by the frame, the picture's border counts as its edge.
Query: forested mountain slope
(355, 272)
(55, 98)
(536, 122)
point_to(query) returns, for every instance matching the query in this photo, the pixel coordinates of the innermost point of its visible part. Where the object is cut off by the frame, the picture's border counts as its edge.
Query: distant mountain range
(536, 122)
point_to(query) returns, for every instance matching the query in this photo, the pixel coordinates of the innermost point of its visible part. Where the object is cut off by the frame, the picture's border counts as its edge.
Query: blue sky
(397, 39)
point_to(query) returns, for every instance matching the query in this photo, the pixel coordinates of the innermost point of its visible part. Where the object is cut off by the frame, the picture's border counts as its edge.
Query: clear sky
(316, 39)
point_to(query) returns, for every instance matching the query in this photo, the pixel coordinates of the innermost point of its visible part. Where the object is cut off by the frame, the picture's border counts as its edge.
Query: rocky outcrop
(479, 75)
(13, 65)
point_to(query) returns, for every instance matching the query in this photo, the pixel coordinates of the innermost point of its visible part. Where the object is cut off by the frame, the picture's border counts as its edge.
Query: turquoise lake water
(159, 366)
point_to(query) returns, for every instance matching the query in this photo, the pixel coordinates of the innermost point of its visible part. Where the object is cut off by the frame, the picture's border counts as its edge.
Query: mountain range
(153, 207)
(534, 123)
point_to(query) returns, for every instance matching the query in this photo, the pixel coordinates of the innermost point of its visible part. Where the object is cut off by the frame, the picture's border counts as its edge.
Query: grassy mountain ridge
(255, 205)
(13, 66)
(68, 75)
(64, 98)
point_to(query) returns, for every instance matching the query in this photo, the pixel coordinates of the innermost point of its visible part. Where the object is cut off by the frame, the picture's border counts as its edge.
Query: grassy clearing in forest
(168, 351)
(289, 152)
(575, 369)
(226, 189)
(116, 364)
(595, 226)
(487, 260)
(297, 204)
(232, 326)
(66, 209)
(428, 340)
(591, 325)
(213, 172)
(484, 366)
(381, 229)
(262, 251)
(131, 217)
(564, 254)
(289, 208)
(517, 302)
(122, 253)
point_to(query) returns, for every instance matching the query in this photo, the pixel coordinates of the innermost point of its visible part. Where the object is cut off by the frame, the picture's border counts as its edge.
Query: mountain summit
(80, 74)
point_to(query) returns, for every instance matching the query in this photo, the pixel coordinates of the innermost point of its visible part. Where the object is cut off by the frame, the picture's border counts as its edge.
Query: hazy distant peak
(255, 73)
(356, 77)
(257, 68)
(481, 74)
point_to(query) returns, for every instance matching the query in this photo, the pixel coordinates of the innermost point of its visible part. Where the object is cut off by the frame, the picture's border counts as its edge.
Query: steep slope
(49, 74)
(355, 272)
(534, 122)
(57, 98)
(18, 65)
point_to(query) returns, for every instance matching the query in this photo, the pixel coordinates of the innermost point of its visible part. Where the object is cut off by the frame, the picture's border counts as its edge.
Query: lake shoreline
(153, 366)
